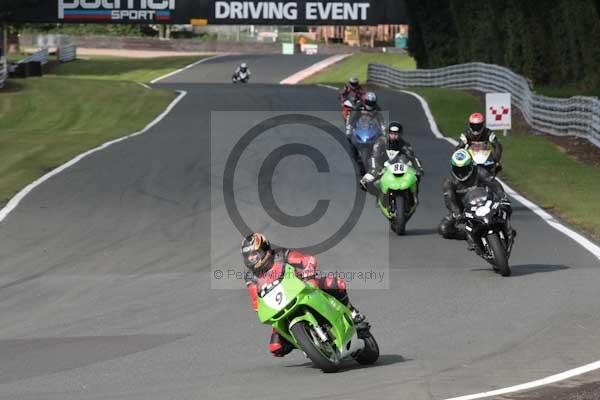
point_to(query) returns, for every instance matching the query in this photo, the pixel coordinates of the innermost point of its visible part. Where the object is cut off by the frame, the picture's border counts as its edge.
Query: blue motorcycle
(364, 135)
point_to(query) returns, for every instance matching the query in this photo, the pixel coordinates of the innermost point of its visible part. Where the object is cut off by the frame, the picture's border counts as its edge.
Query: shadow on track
(528, 269)
(422, 232)
(348, 365)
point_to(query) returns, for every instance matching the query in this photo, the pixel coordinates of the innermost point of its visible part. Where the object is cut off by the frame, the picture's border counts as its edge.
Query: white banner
(498, 111)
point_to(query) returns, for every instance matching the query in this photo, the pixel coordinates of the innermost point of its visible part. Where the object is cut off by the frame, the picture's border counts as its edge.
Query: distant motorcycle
(483, 155)
(241, 77)
(364, 135)
(487, 220)
(398, 185)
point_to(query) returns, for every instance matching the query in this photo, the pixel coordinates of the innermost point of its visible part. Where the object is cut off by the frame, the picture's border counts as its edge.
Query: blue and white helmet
(370, 101)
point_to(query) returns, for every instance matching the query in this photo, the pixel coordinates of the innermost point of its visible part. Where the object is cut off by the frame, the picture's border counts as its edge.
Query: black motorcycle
(487, 220)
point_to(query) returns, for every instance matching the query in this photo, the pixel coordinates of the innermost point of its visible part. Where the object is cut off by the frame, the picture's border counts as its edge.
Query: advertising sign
(498, 111)
(301, 12)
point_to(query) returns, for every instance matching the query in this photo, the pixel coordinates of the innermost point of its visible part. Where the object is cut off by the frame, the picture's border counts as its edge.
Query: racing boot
(360, 322)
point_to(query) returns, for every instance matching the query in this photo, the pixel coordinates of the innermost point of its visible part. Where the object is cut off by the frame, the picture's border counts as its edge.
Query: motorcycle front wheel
(323, 355)
(399, 220)
(500, 256)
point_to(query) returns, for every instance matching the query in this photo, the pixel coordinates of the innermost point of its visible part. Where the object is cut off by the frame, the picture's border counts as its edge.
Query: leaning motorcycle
(314, 322)
(241, 77)
(398, 191)
(364, 135)
(487, 220)
(483, 155)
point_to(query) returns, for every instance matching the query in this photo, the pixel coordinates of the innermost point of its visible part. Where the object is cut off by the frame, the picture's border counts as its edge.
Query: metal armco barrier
(66, 53)
(40, 56)
(578, 116)
(3, 71)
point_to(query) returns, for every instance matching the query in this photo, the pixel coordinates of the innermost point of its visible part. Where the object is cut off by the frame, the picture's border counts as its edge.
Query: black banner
(225, 12)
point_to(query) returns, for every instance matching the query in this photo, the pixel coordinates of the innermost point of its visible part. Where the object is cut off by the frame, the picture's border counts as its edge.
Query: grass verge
(123, 69)
(356, 65)
(533, 165)
(48, 121)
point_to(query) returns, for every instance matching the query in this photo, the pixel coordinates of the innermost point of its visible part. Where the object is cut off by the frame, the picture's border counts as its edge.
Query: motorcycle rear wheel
(370, 354)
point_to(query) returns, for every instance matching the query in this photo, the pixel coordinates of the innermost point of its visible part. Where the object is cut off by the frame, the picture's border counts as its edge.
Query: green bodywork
(301, 301)
(397, 183)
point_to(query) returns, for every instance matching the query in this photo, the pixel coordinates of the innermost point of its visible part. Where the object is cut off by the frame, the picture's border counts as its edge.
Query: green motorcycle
(314, 322)
(398, 188)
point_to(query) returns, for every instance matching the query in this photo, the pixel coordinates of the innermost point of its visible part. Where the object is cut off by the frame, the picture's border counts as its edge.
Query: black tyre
(500, 257)
(370, 353)
(399, 222)
(321, 356)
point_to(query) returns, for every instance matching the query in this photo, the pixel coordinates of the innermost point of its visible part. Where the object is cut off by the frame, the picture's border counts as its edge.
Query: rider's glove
(348, 130)
(368, 178)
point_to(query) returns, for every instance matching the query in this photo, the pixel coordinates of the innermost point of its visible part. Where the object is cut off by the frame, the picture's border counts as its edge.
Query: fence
(3, 71)
(39, 56)
(66, 53)
(579, 115)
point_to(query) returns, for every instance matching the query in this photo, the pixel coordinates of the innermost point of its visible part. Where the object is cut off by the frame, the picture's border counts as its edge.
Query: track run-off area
(107, 268)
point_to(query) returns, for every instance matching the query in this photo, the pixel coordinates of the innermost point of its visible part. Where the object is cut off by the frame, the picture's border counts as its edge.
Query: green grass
(48, 121)
(533, 165)
(123, 69)
(566, 91)
(356, 65)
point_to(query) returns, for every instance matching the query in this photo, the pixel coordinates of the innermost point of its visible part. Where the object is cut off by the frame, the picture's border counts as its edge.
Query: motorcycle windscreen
(366, 131)
(476, 197)
(481, 152)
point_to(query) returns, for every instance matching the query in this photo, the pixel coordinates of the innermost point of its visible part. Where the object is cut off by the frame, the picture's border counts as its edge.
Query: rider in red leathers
(267, 265)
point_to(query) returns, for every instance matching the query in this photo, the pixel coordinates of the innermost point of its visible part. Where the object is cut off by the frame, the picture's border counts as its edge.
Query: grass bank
(48, 121)
(356, 65)
(533, 165)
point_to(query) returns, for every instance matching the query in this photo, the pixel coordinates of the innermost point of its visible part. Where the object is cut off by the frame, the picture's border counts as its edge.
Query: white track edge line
(16, 199)
(533, 384)
(170, 74)
(584, 242)
(313, 69)
(553, 222)
(588, 245)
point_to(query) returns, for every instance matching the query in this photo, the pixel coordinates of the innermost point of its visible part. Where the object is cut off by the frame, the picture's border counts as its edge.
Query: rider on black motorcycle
(465, 176)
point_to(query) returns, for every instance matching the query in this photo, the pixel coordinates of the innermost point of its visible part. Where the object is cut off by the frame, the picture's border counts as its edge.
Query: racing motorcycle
(350, 104)
(314, 322)
(241, 77)
(483, 155)
(364, 135)
(398, 191)
(487, 220)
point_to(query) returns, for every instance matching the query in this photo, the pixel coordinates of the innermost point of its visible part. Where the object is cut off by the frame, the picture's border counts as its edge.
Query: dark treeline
(552, 42)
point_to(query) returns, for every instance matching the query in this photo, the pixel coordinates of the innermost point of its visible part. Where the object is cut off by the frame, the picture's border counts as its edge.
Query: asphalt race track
(105, 270)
